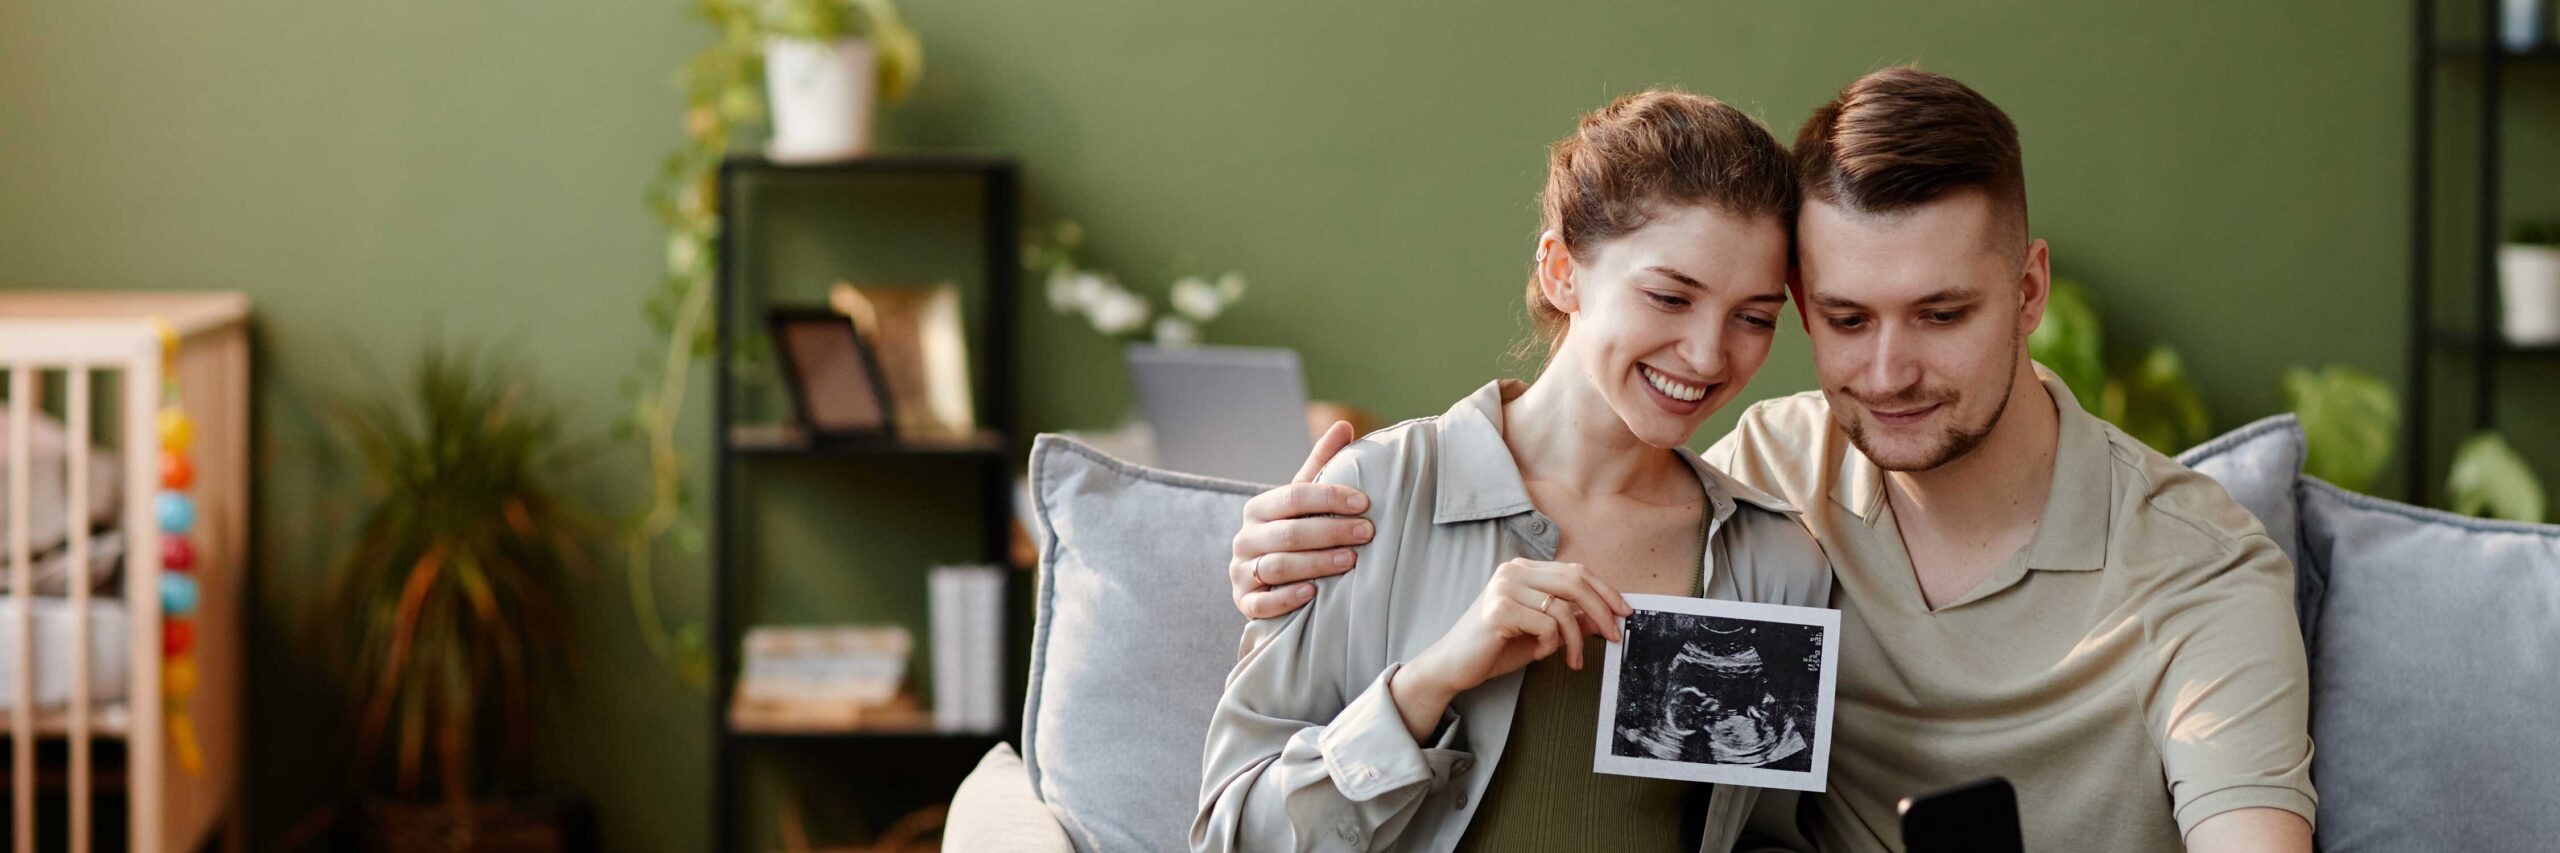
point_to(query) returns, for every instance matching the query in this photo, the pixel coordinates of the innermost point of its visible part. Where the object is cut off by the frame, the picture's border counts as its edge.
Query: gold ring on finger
(1257, 571)
(1542, 603)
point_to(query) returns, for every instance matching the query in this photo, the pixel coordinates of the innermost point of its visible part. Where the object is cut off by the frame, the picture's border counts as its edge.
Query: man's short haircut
(1901, 138)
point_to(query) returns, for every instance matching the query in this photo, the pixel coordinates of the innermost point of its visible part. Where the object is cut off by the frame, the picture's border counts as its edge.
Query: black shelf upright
(986, 454)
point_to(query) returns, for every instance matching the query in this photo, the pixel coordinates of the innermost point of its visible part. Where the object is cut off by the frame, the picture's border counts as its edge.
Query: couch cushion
(2433, 694)
(1132, 642)
(995, 810)
(2261, 466)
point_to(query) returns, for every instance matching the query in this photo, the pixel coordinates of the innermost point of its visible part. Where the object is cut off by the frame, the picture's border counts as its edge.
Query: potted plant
(447, 608)
(2529, 285)
(825, 63)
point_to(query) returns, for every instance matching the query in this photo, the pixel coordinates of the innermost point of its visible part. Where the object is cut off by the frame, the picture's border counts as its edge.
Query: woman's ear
(1555, 272)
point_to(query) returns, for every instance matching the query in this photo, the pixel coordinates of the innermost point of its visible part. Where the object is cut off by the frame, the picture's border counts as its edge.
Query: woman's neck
(1562, 432)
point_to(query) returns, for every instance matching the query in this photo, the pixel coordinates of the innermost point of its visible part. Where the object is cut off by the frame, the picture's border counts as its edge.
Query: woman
(1420, 703)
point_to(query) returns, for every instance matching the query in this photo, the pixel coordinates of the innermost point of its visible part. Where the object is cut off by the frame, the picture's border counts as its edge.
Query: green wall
(2230, 177)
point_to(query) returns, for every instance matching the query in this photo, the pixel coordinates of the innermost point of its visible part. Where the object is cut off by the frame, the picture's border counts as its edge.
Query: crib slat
(76, 423)
(147, 743)
(22, 720)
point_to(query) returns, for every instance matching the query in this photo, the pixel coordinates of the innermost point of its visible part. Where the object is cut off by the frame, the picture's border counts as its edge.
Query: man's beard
(1959, 438)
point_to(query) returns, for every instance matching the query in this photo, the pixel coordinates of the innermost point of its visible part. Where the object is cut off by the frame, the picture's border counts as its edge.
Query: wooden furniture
(103, 351)
(922, 763)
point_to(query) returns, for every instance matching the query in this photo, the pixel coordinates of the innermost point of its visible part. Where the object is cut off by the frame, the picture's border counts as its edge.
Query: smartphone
(1976, 817)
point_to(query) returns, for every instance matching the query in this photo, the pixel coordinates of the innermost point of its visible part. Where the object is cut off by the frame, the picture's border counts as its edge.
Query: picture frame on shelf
(833, 374)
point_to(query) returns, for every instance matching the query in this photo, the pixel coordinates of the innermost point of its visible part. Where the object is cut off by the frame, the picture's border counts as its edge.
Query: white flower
(1117, 312)
(1176, 332)
(1231, 287)
(1062, 289)
(1090, 289)
(1194, 298)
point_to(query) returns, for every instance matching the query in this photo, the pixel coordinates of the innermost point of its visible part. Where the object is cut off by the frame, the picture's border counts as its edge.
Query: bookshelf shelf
(973, 461)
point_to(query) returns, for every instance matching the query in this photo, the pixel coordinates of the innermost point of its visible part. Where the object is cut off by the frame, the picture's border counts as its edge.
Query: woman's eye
(1667, 301)
(1758, 322)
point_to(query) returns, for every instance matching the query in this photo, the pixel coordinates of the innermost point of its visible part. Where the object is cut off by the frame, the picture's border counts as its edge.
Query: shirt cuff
(1368, 751)
(2237, 797)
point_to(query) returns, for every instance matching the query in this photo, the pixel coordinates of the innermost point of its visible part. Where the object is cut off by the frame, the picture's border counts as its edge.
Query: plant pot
(2529, 294)
(2524, 24)
(484, 826)
(822, 95)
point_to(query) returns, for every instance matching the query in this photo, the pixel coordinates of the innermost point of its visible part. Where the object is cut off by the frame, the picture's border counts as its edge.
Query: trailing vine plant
(723, 88)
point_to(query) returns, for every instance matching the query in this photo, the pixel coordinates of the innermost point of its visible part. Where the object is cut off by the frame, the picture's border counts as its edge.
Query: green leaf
(2491, 480)
(2349, 418)
(2070, 342)
(2155, 402)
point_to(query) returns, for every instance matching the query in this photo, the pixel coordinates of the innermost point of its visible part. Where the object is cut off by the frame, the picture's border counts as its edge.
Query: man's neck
(2002, 484)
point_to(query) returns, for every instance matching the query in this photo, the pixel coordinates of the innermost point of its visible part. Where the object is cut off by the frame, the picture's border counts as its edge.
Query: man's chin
(1897, 453)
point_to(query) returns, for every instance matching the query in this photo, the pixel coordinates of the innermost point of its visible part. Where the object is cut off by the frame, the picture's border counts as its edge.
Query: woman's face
(1670, 321)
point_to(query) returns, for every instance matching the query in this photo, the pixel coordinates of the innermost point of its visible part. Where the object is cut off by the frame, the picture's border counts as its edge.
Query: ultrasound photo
(1720, 691)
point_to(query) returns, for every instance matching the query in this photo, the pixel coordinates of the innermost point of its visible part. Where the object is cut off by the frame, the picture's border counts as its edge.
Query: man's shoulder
(2178, 523)
(1779, 446)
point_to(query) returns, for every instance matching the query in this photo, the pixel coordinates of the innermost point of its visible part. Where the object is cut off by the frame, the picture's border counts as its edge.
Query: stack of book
(968, 648)
(825, 678)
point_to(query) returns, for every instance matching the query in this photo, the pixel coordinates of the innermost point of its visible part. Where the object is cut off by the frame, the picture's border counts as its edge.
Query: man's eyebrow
(1952, 294)
(1828, 301)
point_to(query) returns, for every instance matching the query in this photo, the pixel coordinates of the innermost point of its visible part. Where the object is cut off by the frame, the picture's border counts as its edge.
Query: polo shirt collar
(1478, 479)
(2073, 534)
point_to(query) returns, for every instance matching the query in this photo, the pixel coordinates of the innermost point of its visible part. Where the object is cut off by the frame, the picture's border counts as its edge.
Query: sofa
(2434, 644)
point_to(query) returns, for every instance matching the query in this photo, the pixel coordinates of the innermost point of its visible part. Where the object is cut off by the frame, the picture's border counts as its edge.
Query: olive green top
(1547, 797)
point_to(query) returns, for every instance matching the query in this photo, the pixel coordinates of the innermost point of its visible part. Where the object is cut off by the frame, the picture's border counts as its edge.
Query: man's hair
(1901, 138)
(1627, 161)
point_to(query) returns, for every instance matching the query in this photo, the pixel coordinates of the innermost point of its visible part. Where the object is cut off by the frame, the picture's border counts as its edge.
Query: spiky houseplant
(449, 601)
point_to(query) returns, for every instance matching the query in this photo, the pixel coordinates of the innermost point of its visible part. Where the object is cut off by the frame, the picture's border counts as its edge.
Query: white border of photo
(1813, 779)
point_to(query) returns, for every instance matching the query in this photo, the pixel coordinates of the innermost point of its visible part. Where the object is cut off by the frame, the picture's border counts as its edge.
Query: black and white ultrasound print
(1720, 691)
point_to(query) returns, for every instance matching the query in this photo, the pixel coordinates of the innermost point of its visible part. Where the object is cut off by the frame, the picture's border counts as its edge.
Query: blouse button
(1538, 527)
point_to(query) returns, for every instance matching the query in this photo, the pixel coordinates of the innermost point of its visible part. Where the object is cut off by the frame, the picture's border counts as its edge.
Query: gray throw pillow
(1132, 645)
(2434, 694)
(2261, 465)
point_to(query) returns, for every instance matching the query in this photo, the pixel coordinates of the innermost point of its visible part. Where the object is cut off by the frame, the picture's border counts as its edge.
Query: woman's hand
(1528, 611)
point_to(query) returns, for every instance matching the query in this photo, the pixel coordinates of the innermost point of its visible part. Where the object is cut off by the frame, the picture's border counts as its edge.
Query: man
(2024, 590)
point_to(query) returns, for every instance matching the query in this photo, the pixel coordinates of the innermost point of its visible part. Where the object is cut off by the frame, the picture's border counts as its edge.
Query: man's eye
(1945, 317)
(1667, 301)
(1846, 323)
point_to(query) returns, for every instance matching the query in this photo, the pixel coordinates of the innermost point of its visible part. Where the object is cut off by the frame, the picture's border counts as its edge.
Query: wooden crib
(92, 364)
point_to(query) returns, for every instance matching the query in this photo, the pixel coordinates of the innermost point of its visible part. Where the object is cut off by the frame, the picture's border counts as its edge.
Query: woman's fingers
(1275, 601)
(1301, 534)
(1335, 438)
(1298, 500)
(1571, 582)
(1288, 567)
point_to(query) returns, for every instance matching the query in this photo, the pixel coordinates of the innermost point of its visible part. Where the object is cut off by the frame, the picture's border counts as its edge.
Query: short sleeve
(2231, 713)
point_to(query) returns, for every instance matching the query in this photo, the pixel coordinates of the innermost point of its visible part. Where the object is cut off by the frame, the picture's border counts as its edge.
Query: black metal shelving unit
(2476, 337)
(985, 456)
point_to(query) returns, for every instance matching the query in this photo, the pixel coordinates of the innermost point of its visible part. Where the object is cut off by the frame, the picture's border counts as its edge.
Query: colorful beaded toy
(178, 591)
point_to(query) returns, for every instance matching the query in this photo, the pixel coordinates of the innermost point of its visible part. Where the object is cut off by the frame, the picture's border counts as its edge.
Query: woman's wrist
(1420, 696)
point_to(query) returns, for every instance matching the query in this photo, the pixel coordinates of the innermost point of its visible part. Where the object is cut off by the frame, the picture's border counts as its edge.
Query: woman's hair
(1647, 151)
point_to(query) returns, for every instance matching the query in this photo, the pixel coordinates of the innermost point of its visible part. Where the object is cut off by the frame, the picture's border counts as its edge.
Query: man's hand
(2258, 829)
(1287, 540)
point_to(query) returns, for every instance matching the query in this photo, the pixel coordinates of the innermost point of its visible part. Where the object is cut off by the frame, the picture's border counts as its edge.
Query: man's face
(1919, 319)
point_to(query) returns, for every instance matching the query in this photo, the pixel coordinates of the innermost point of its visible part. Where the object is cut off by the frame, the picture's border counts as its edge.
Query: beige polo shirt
(2134, 670)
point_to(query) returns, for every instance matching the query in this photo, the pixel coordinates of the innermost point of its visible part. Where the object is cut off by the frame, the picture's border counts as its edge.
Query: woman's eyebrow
(1675, 275)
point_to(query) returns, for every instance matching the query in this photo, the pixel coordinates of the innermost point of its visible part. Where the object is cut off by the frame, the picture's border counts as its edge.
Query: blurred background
(2261, 208)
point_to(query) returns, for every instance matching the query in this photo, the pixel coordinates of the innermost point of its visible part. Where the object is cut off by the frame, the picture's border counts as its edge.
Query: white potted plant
(2529, 286)
(826, 63)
